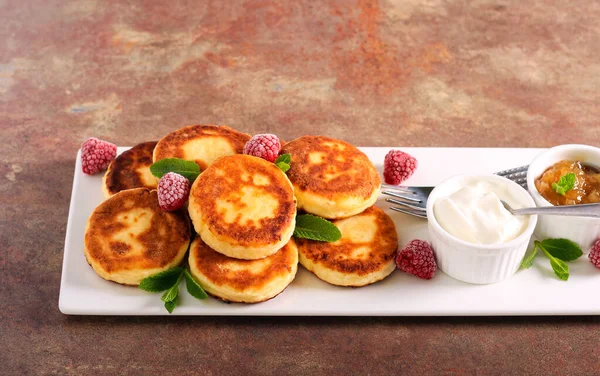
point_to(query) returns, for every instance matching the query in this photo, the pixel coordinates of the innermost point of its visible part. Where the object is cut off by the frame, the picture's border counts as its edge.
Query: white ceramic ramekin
(476, 263)
(583, 231)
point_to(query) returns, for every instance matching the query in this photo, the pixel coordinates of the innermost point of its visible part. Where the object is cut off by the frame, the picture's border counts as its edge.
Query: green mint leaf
(285, 158)
(561, 269)
(528, 260)
(170, 306)
(311, 227)
(193, 287)
(562, 249)
(283, 162)
(558, 189)
(283, 166)
(172, 293)
(187, 169)
(161, 281)
(167, 280)
(565, 184)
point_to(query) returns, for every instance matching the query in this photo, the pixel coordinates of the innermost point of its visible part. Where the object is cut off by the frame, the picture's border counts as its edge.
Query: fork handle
(583, 210)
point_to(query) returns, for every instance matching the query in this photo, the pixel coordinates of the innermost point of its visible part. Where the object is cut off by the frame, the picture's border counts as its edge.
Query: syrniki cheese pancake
(129, 237)
(331, 178)
(131, 169)
(202, 144)
(364, 254)
(243, 207)
(245, 281)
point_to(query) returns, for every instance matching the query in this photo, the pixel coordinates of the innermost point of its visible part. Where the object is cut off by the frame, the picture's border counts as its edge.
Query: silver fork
(413, 200)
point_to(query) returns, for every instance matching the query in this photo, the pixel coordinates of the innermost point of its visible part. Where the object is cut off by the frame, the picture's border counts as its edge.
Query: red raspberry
(173, 191)
(265, 146)
(417, 259)
(398, 166)
(96, 155)
(595, 254)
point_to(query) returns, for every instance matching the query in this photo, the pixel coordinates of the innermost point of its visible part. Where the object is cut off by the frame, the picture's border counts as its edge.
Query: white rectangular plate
(529, 292)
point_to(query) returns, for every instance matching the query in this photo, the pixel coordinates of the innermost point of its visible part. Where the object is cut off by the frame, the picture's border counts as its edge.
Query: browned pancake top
(124, 171)
(244, 198)
(341, 255)
(130, 231)
(328, 167)
(242, 275)
(172, 145)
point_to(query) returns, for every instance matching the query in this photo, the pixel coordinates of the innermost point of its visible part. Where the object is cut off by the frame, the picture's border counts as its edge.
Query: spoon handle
(584, 210)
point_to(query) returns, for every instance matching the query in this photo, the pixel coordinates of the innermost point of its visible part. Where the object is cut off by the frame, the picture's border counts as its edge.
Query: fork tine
(517, 174)
(513, 171)
(399, 188)
(398, 195)
(409, 212)
(406, 204)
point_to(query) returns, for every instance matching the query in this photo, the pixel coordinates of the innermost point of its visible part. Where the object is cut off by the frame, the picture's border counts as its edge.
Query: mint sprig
(559, 251)
(193, 287)
(311, 227)
(563, 249)
(528, 260)
(173, 292)
(170, 306)
(561, 269)
(188, 169)
(283, 162)
(564, 184)
(168, 281)
(161, 281)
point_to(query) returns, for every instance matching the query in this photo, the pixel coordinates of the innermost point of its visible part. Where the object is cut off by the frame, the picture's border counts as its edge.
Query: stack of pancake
(243, 212)
(335, 180)
(129, 237)
(242, 208)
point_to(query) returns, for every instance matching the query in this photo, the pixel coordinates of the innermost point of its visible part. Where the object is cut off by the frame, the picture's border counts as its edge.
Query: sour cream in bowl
(476, 240)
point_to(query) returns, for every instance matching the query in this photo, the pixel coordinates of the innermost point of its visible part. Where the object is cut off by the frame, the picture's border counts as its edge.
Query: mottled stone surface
(395, 72)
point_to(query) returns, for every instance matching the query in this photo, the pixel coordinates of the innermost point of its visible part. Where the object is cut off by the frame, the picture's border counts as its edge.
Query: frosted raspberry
(417, 258)
(398, 166)
(595, 254)
(96, 155)
(173, 191)
(265, 146)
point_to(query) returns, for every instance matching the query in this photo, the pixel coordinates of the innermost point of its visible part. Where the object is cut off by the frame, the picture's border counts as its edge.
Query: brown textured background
(389, 72)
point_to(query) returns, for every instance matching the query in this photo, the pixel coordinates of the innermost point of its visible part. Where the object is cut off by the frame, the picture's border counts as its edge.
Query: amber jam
(585, 191)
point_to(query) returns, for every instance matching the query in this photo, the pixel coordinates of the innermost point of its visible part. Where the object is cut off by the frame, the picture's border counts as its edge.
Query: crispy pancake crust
(331, 178)
(129, 237)
(245, 281)
(202, 144)
(243, 207)
(131, 169)
(364, 254)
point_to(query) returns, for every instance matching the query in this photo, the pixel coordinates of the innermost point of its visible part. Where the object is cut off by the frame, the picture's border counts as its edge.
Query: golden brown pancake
(243, 207)
(129, 237)
(364, 254)
(131, 169)
(202, 144)
(331, 178)
(245, 281)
